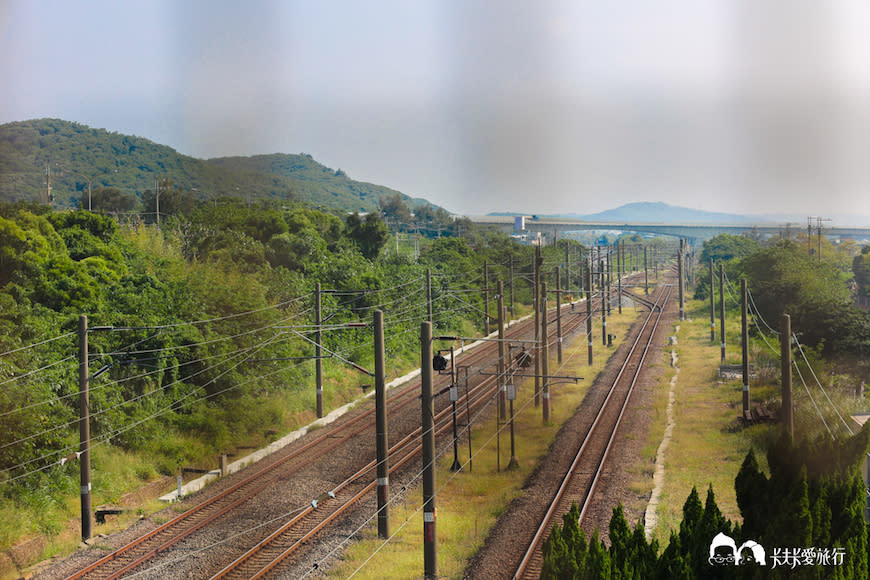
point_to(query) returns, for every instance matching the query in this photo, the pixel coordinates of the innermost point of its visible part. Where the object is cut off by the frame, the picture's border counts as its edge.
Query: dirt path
(650, 518)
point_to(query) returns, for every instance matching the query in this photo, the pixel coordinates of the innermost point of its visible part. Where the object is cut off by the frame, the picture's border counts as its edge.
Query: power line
(62, 336)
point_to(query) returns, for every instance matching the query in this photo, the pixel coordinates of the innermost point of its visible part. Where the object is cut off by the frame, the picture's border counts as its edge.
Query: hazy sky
(577, 106)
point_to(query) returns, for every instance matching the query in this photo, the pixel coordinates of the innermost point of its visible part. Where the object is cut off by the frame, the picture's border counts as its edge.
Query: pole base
(456, 466)
(513, 463)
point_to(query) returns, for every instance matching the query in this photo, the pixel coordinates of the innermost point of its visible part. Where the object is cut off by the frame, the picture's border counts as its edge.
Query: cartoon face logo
(751, 552)
(723, 550)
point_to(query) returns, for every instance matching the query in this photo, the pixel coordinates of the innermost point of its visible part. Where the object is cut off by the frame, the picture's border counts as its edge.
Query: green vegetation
(197, 329)
(813, 499)
(76, 153)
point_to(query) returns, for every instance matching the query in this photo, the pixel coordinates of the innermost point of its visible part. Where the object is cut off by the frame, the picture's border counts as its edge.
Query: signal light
(523, 358)
(439, 363)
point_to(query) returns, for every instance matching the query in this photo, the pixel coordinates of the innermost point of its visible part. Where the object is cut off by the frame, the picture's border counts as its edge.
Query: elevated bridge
(696, 233)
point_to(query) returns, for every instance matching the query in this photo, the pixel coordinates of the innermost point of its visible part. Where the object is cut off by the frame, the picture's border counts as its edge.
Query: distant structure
(524, 236)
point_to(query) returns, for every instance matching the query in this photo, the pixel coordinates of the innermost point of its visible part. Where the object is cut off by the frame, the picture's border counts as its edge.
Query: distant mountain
(658, 212)
(75, 153)
(655, 212)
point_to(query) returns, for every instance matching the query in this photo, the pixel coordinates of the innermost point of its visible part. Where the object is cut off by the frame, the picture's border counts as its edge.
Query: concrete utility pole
(537, 357)
(558, 315)
(429, 294)
(545, 352)
(430, 544)
(84, 429)
(47, 184)
(485, 298)
(712, 306)
(745, 342)
(785, 360)
(645, 274)
(620, 264)
(381, 427)
(500, 366)
(680, 278)
(157, 200)
(603, 291)
(567, 269)
(318, 342)
(589, 309)
(722, 310)
(512, 284)
(608, 276)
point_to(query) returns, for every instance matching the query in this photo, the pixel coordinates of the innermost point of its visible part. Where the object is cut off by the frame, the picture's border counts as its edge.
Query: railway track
(584, 474)
(287, 538)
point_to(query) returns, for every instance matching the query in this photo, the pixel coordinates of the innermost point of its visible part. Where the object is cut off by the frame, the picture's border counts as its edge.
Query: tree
(171, 200)
(369, 235)
(725, 247)
(394, 209)
(110, 200)
(861, 271)
(784, 279)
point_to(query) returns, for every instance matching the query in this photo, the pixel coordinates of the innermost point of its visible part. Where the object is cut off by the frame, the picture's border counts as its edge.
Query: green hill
(76, 153)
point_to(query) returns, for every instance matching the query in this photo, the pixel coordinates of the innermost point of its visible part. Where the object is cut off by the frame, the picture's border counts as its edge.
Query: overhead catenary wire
(819, 383)
(444, 449)
(106, 437)
(122, 404)
(815, 405)
(40, 343)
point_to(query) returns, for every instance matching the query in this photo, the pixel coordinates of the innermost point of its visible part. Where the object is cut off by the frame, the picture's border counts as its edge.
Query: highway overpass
(696, 233)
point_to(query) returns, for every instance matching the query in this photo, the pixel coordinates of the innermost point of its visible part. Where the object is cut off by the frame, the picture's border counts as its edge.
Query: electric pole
(500, 366)
(485, 298)
(559, 315)
(381, 426)
(620, 264)
(722, 310)
(645, 274)
(545, 354)
(318, 340)
(712, 306)
(429, 294)
(512, 284)
(603, 292)
(785, 360)
(589, 309)
(84, 429)
(680, 278)
(430, 545)
(537, 295)
(745, 343)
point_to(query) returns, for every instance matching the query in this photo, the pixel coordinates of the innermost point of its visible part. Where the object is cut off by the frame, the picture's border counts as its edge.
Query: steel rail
(135, 553)
(530, 564)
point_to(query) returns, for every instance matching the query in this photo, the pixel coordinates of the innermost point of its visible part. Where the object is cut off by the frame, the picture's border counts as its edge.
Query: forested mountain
(76, 153)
